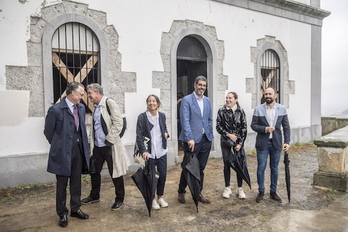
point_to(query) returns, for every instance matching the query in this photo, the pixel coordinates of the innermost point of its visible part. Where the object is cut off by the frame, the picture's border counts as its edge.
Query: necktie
(76, 116)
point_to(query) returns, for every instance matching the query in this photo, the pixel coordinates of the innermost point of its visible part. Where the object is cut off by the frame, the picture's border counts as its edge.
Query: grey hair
(73, 86)
(200, 78)
(96, 87)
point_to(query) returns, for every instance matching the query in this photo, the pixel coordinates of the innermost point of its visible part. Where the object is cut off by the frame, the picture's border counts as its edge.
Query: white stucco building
(141, 47)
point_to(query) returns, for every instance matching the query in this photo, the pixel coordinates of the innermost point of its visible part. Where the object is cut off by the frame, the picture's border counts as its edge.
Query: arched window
(75, 57)
(270, 73)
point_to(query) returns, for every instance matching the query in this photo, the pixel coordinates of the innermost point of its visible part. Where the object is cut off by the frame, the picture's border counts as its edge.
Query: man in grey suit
(268, 120)
(197, 131)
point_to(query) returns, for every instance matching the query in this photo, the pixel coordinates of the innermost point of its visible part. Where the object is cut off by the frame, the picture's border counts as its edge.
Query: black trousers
(161, 164)
(226, 151)
(202, 150)
(102, 154)
(75, 185)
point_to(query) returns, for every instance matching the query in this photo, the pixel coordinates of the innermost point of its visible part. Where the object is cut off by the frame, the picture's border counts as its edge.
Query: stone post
(333, 160)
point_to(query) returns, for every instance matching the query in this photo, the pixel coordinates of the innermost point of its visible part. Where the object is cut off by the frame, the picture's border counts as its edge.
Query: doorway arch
(191, 62)
(217, 82)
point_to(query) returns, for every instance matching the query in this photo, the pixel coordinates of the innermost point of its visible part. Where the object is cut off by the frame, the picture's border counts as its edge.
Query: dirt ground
(311, 208)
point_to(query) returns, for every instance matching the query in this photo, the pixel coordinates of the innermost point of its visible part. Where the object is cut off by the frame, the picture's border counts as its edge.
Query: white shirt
(157, 150)
(271, 116)
(201, 106)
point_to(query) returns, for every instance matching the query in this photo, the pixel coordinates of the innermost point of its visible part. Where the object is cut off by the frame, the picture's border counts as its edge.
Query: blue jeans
(262, 156)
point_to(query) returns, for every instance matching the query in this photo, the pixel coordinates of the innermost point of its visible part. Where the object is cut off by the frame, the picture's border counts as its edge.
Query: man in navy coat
(65, 130)
(197, 131)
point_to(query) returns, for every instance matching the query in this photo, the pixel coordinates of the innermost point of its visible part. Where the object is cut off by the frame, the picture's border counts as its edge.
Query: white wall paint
(25, 138)
(140, 25)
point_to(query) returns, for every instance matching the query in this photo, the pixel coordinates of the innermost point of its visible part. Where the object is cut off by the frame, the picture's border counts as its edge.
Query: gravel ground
(311, 208)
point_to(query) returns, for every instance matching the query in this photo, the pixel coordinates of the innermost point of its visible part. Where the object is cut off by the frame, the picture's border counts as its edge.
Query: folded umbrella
(191, 172)
(237, 161)
(146, 179)
(287, 173)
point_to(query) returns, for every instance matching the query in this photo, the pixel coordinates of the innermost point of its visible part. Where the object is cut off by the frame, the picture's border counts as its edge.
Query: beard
(200, 92)
(269, 100)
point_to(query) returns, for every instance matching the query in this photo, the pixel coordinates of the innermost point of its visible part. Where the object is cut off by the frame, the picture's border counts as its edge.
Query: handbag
(137, 155)
(227, 142)
(92, 166)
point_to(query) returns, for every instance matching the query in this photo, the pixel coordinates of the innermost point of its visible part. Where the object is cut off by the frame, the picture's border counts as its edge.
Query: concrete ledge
(331, 124)
(333, 160)
(338, 138)
(331, 180)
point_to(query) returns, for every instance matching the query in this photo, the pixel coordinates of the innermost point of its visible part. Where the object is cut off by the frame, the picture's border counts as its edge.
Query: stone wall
(333, 160)
(330, 124)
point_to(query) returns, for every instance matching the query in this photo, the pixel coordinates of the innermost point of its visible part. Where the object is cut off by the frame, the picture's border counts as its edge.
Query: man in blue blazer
(197, 131)
(65, 130)
(268, 118)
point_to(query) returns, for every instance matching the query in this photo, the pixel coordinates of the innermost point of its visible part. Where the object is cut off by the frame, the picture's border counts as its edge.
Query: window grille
(75, 57)
(270, 73)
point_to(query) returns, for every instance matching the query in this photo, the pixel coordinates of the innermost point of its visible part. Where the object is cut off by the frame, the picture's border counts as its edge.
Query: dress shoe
(259, 197)
(79, 214)
(275, 197)
(89, 200)
(203, 199)
(117, 205)
(63, 221)
(181, 198)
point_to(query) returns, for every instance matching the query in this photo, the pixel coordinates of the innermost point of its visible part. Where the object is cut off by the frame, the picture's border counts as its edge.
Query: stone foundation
(333, 160)
(331, 180)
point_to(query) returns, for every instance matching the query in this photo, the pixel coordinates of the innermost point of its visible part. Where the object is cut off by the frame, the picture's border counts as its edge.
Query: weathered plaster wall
(137, 40)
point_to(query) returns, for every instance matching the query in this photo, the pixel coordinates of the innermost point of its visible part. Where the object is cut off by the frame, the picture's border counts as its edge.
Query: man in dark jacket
(267, 121)
(65, 130)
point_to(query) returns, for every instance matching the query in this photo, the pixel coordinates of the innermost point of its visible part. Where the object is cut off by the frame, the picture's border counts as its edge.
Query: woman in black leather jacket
(232, 126)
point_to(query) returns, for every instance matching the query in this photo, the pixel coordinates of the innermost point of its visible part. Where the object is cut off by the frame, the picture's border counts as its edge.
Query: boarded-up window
(270, 72)
(75, 57)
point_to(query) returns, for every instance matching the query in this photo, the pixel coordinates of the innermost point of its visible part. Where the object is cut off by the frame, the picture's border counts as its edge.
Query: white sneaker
(227, 192)
(155, 205)
(240, 193)
(162, 202)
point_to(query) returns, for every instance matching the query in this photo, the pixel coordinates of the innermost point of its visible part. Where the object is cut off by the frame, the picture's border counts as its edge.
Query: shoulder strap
(124, 127)
(107, 106)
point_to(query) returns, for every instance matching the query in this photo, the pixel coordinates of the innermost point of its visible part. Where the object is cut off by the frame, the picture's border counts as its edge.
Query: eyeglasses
(81, 94)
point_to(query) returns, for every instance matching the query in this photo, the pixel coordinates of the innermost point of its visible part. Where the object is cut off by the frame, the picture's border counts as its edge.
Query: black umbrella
(146, 180)
(287, 173)
(237, 161)
(191, 172)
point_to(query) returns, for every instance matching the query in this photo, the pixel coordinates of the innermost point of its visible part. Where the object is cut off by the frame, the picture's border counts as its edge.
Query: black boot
(259, 197)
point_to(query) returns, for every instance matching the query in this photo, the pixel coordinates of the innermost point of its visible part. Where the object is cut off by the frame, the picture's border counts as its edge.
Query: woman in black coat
(152, 125)
(232, 126)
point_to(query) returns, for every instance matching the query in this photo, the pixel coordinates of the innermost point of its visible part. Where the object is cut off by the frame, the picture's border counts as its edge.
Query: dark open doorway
(191, 62)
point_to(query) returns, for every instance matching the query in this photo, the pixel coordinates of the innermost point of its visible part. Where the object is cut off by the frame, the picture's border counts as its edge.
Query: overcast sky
(335, 57)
